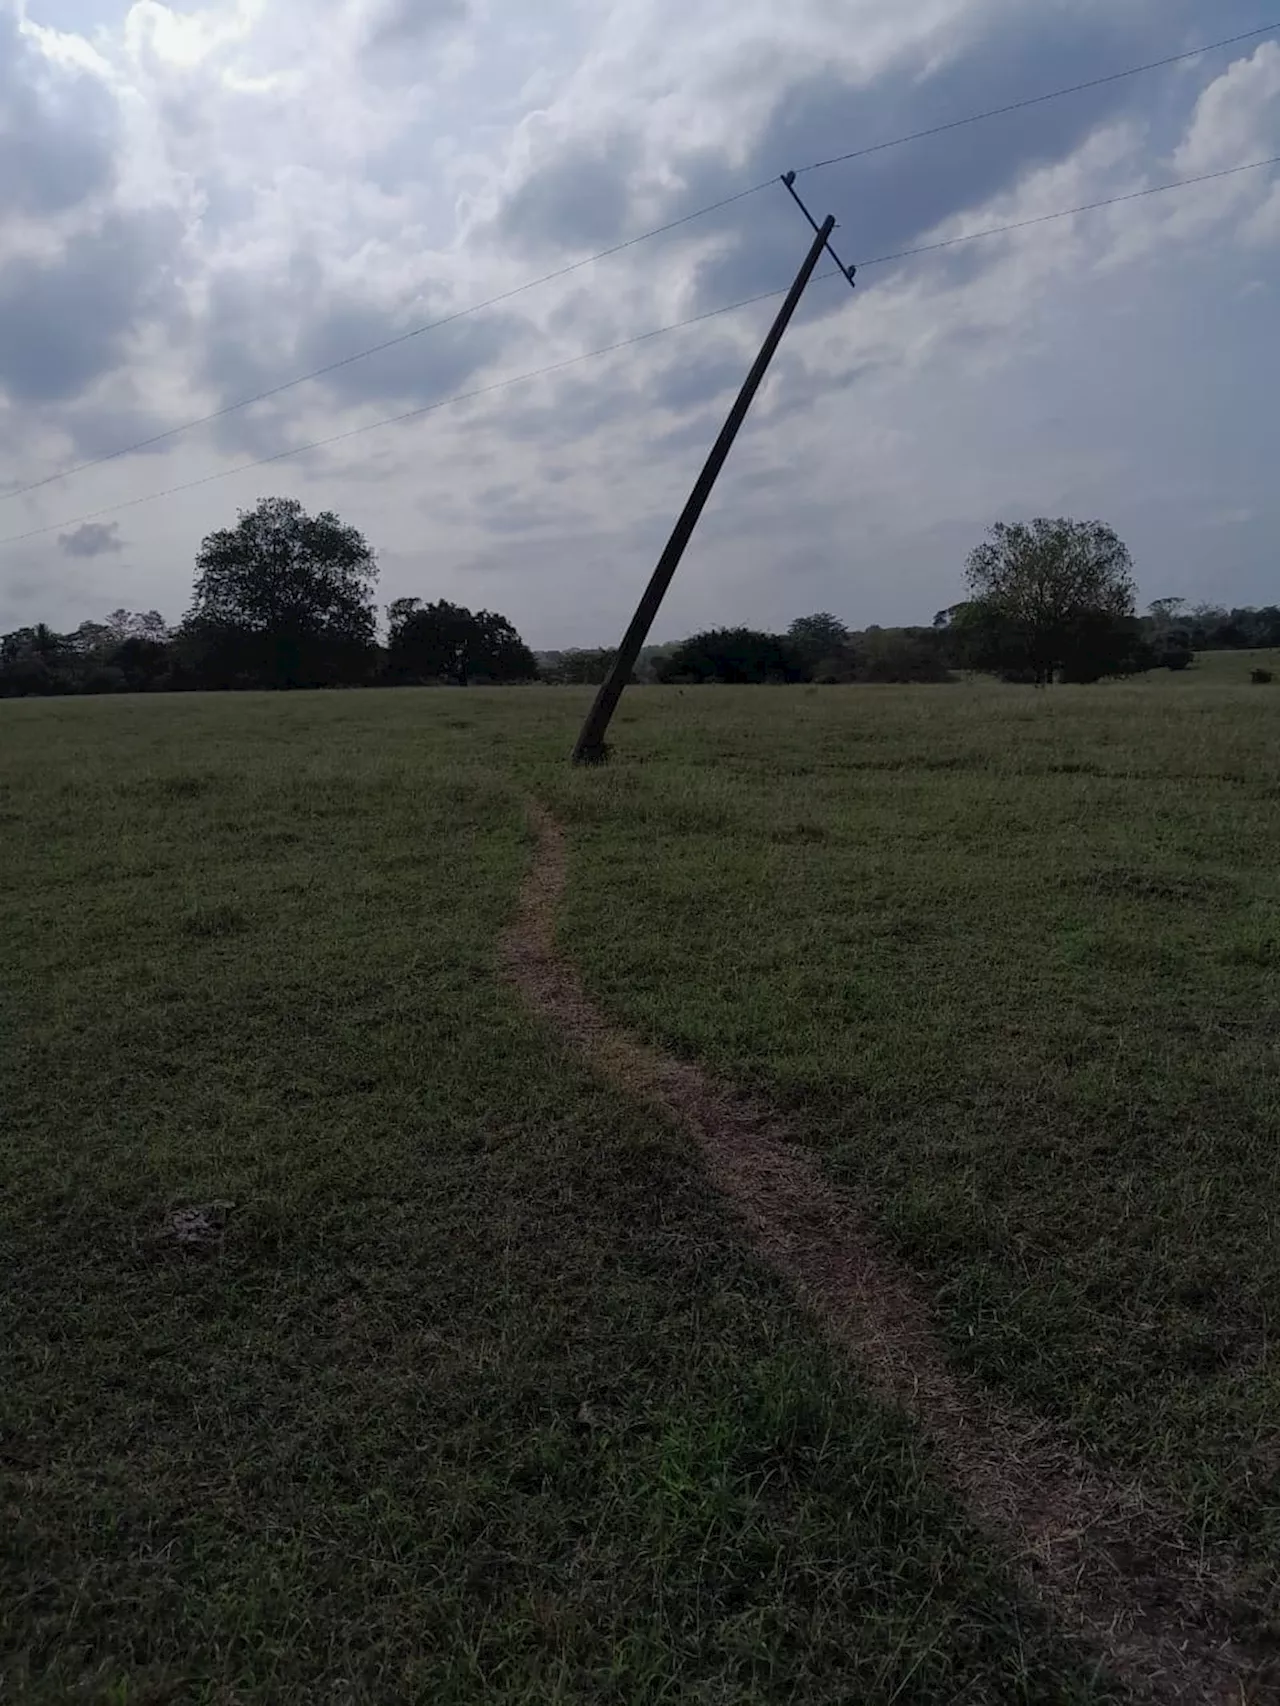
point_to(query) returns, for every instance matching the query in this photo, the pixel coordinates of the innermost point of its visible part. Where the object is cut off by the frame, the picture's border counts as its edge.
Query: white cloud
(325, 173)
(1237, 117)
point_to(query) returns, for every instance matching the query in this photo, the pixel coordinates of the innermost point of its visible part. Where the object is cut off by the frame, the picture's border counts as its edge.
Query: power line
(1067, 212)
(1039, 100)
(625, 343)
(386, 344)
(617, 249)
(408, 415)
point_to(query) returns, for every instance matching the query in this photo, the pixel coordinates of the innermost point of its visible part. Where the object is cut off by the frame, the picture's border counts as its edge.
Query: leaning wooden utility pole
(590, 747)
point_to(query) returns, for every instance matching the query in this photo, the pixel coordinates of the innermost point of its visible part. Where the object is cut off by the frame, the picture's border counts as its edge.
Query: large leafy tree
(34, 660)
(444, 641)
(1049, 590)
(283, 597)
(126, 625)
(822, 644)
(1092, 645)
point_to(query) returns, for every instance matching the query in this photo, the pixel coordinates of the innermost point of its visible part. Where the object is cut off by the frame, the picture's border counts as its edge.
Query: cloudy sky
(201, 202)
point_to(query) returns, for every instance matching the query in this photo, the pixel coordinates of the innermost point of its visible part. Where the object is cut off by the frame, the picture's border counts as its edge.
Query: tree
(731, 655)
(974, 635)
(1211, 628)
(32, 661)
(1164, 612)
(46, 644)
(93, 658)
(137, 625)
(1100, 644)
(282, 599)
(821, 644)
(1168, 635)
(94, 640)
(1045, 585)
(444, 641)
(399, 611)
(143, 662)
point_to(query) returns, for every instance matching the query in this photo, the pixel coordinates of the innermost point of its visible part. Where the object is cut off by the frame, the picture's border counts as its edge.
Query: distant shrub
(896, 655)
(1174, 650)
(581, 668)
(1261, 677)
(105, 679)
(737, 655)
(835, 671)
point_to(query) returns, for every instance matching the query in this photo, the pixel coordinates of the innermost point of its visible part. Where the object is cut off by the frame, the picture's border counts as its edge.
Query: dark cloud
(996, 53)
(695, 432)
(58, 130)
(793, 387)
(755, 511)
(99, 426)
(423, 370)
(500, 495)
(590, 400)
(892, 200)
(580, 198)
(35, 586)
(92, 539)
(398, 25)
(262, 333)
(63, 322)
(697, 377)
(889, 201)
(694, 381)
(524, 517)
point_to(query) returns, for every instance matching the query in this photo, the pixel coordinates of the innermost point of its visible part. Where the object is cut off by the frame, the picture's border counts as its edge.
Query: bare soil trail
(1115, 1570)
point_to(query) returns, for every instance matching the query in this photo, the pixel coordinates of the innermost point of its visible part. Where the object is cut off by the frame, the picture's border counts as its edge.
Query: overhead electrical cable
(1067, 212)
(570, 267)
(626, 343)
(377, 349)
(1041, 100)
(408, 415)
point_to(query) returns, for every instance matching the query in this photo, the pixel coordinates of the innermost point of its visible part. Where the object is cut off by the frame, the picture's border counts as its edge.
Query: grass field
(1015, 957)
(477, 1394)
(1223, 669)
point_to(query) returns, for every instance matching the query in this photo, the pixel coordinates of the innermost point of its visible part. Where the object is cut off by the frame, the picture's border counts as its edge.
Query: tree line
(282, 599)
(285, 599)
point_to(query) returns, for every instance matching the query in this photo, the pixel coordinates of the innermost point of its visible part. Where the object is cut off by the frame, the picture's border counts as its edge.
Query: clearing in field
(376, 1332)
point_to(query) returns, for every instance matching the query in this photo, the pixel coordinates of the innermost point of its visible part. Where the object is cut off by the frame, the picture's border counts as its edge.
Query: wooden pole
(590, 747)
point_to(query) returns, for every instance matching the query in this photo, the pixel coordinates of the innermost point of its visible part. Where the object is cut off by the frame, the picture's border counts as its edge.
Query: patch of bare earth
(1115, 1568)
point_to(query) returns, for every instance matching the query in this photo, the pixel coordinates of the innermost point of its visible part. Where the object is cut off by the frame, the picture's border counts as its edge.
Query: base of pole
(598, 754)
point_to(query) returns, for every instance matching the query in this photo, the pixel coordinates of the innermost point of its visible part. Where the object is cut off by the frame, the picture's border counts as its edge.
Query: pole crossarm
(789, 180)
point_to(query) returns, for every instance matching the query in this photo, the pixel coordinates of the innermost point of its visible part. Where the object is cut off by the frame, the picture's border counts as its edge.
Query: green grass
(1220, 669)
(1013, 959)
(478, 1397)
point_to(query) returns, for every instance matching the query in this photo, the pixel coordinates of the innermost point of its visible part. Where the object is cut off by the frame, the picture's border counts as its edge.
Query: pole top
(788, 179)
